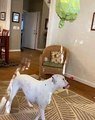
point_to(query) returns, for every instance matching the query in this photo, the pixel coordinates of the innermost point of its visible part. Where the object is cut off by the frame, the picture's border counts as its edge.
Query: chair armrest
(65, 63)
(42, 57)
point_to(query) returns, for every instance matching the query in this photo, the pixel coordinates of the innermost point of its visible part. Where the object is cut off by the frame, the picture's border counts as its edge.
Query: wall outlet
(71, 77)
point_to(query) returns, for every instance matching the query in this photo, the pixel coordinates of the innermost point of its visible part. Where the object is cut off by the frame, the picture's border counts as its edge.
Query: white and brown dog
(36, 91)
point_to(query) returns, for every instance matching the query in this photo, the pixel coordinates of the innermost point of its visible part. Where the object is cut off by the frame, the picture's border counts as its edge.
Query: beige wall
(15, 30)
(79, 39)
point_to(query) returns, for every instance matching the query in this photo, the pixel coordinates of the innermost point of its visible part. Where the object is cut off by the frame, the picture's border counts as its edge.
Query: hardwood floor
(6, 73)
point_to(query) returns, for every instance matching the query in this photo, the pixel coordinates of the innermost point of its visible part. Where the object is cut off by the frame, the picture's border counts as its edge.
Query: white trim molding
(15, 50)
(40, 49)
(72, 77)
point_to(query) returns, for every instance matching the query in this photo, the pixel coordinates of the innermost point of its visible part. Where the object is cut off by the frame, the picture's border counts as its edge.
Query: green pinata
(67, 10)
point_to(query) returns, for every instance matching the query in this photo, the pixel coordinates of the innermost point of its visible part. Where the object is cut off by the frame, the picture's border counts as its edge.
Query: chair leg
(0, 52)
(7, 50)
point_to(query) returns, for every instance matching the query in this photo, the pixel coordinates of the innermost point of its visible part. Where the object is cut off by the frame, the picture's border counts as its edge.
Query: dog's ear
(53, 80)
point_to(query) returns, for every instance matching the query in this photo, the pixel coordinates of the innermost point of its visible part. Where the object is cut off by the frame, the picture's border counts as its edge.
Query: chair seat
(51, 64)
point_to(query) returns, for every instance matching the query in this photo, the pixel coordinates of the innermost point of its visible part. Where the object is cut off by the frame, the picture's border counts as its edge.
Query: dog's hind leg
(11, 97)
(41, 114)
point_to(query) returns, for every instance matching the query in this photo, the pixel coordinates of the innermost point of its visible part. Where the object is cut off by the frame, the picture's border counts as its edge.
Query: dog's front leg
(42, 112)
(38, 116)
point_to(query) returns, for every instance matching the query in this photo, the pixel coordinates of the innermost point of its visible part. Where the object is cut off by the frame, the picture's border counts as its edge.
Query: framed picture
(93, 22)
(15, 17)
(3, 16)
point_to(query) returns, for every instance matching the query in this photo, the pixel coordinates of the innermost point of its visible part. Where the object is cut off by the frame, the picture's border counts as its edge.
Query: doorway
(30, 29)
(31, 7)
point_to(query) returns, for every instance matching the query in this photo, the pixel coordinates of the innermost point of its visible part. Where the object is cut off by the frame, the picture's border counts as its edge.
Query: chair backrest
(5, 32)
(51, 48)
(5, 35)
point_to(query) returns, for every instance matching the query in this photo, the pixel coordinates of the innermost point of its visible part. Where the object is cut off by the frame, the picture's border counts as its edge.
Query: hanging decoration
(67, 10)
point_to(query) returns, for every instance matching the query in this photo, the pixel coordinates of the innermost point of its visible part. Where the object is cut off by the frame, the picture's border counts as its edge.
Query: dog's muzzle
(67, 86)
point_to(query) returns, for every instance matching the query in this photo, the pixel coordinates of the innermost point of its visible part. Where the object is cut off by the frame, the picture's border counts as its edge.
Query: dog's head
(59, 81)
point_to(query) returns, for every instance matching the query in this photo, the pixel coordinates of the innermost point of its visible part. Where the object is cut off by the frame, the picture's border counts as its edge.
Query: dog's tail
(24, 65)
(9, 89)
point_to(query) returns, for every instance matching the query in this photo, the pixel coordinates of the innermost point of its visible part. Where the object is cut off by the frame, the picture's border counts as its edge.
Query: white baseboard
(89, 83)
(17, 50)
(40, 49)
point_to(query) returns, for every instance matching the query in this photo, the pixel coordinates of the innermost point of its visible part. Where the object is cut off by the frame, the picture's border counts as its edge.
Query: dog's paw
(7, 111)
(37, 118)
(30, 105)
(7, 108)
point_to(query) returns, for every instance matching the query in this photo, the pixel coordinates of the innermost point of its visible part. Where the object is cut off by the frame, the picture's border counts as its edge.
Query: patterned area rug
(4, 64)
(62, 107)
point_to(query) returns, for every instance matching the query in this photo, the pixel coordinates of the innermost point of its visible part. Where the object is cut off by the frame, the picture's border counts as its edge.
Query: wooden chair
(47, 66)
(4, 45)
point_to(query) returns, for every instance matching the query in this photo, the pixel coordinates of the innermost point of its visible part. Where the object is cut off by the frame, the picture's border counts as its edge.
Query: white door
(31, 30)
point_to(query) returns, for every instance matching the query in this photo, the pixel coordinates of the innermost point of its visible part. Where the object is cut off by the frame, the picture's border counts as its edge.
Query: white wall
(79, 39)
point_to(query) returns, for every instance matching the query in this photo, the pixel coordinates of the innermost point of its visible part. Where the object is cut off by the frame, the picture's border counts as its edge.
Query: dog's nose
(67, 86)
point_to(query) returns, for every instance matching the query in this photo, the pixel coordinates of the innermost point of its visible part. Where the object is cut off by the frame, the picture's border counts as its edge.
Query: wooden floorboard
(6, 73)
